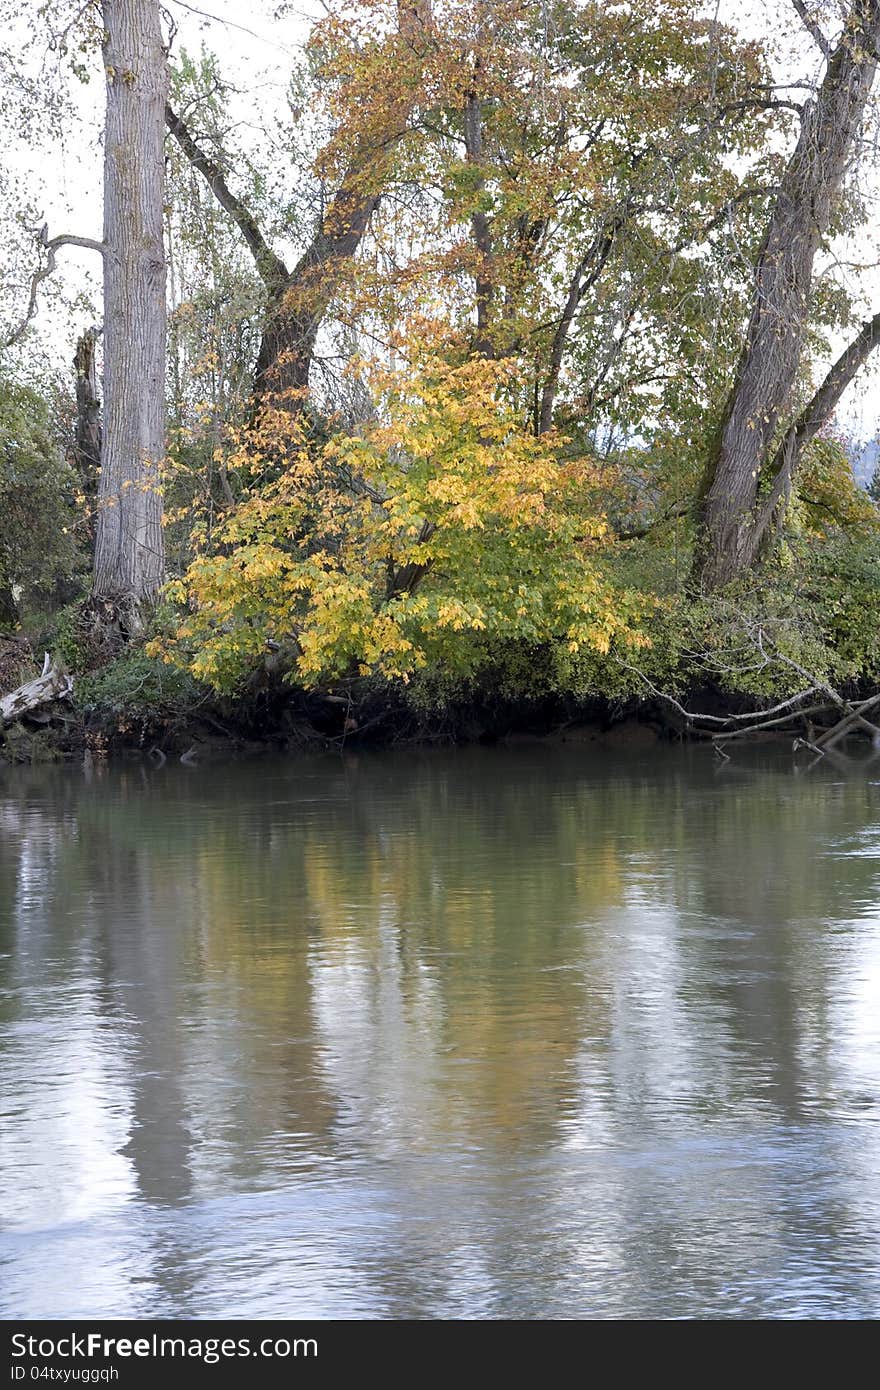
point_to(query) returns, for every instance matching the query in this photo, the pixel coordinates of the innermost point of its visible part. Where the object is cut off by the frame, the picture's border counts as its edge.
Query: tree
(506, 162)
(749, 470)
(565, 190)
(442, 525)
(129, 555)
(297, 298)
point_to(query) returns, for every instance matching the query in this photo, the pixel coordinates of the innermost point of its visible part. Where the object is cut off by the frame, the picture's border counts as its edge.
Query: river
(535, 1032)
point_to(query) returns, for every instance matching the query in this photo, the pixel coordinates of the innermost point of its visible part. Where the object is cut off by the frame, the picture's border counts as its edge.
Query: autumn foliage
(389, 547)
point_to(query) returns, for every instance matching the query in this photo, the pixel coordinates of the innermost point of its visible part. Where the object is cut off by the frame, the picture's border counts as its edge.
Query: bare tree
(735, 512)
(129, 559)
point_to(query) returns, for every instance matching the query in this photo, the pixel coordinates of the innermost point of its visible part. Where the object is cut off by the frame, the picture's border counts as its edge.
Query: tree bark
(481, 231)
(129, 556)
(733, 522)
(87, 432)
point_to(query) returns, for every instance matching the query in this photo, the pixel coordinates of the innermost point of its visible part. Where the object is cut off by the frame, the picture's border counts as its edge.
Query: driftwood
(52, 684)
(855, 718)
(794, 715)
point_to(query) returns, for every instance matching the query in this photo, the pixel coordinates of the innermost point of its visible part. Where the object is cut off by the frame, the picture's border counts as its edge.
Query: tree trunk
(8, 606)
(87, 434)
(297, 307)
(733, 521)
(129, 558)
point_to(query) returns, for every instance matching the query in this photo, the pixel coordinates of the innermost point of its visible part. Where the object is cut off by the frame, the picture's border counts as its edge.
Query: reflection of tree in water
(495, 954)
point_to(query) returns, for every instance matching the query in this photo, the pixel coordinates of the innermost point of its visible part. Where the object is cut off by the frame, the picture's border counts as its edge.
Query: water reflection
(497, 1033)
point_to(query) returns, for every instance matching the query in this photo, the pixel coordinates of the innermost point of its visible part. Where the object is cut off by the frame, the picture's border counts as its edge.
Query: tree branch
(673, 513)
(50, 246)
(816, 413)
(586, 273)
(812, 27)
(272, 270)
(691, 716)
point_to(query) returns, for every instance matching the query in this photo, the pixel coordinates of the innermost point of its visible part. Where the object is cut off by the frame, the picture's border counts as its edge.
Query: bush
(138, 686)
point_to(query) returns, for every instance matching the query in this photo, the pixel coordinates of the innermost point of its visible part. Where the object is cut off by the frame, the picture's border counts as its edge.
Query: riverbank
(157, 717)
(138, 707)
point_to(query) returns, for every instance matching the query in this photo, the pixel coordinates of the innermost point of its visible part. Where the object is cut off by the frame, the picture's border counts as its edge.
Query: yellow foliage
(828, 496)
(382, 549)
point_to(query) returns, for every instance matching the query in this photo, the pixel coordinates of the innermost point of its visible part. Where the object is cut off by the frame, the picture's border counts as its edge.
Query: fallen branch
(786, 712)
(53, 684)
(693, 716)
(777, 723)
(855, 717)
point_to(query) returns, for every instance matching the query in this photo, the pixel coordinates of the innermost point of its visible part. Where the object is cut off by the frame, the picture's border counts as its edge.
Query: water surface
(524, 1032)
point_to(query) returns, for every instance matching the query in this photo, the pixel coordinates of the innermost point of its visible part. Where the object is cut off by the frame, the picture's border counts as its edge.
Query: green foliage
(66, 640)
(38, 520)
(828, 501)
(845, 579)
(136, 686)
(812, 616)
(17, 664)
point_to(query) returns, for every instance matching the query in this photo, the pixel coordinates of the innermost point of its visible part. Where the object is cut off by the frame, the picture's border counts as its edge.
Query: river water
(532, 1032)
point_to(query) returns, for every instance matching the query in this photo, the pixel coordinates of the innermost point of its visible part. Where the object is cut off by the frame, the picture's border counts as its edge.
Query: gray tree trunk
(733, 523)
(87, 435)
(129, 557)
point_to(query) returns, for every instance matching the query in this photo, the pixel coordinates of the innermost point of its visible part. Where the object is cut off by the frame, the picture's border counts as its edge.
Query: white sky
(256, 53)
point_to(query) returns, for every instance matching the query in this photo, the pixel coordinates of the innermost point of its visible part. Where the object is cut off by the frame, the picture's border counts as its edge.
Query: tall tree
(739, 501)
(129, 557)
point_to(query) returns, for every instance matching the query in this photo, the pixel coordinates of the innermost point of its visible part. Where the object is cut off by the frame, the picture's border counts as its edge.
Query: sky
(257, 52)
